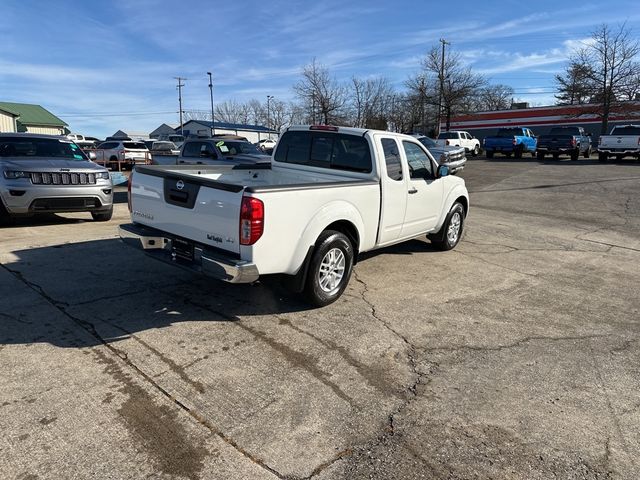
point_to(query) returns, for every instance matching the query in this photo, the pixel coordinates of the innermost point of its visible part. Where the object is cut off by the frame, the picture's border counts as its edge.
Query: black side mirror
(443, 171)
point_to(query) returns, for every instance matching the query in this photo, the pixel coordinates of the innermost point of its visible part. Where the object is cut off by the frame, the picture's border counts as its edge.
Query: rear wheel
(587, 153)
(451, 232)
(540, 155)
(575, 154)
(330, 268)
(113, 163)
(556, 156)
(476, 151)
(102, 216)
(489, 154)
(602, 157)
(518, 152)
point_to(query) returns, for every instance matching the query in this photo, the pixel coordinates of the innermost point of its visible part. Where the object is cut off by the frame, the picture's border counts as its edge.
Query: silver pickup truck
(624, 141)
(43, 174)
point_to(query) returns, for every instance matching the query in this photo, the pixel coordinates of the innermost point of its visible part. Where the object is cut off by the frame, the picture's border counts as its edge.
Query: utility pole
(439, 116)
(179, 87)
(213, 126)
(269, 97)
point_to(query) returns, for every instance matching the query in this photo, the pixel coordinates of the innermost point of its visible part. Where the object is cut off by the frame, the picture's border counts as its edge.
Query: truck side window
(192, 149)
(418, 161)
(392, 158)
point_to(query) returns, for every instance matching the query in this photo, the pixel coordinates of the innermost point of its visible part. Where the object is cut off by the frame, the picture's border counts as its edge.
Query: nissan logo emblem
(179, 184)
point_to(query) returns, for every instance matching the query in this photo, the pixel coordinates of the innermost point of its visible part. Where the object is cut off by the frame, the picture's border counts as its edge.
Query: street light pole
(269, 97)
(213, 127)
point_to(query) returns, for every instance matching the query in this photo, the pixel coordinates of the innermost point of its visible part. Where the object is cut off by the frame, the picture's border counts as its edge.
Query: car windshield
(444, 135)
(233, 147)
(509, 132)
(40, 147)
(427, 142)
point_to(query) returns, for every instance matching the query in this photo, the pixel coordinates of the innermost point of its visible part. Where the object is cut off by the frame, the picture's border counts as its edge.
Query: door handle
(413, 190)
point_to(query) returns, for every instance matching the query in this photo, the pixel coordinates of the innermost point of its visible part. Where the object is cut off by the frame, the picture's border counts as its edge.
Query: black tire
(489, 154)
(602, 157)
(575, 154)
(315, 291)
(518, 152)
(5, 217)
(508, 154)
(587, 153)
(556, 156)
(476, 151)
(449, 235)
(534, 153)
(113, 163)
(102, 216)
(540, 155)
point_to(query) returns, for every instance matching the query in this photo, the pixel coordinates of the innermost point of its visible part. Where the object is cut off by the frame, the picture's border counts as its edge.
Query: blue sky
(102, 66)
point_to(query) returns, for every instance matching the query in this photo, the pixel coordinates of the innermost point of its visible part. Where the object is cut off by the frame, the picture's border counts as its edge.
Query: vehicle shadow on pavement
(112, 291)
(42, 219)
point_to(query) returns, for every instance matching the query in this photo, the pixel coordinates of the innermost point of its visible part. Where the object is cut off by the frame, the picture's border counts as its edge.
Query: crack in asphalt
(517, 344)
(91, 330)
(419, 376)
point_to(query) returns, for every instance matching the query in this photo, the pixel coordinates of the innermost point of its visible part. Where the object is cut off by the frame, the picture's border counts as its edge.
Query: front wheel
(602, 157)
(476, 151)
(102, 216)
(540, 155)
(451, 232)
(518, 152)
(587, 153)
(330, 268)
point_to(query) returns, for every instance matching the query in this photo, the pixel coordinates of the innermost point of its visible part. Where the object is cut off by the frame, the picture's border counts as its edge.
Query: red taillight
(514, 142)
(573, 142)
(251, 220)
(129, 190)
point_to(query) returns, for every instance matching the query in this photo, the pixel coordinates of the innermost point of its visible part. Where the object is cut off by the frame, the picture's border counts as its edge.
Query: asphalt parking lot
(515, 356)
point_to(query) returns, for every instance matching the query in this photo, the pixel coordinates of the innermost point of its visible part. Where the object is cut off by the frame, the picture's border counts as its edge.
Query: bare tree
(611, 60)
(459, 83)
(576, 86)
(369, 101)
(495, 97)
(321, 93)
(229, 111)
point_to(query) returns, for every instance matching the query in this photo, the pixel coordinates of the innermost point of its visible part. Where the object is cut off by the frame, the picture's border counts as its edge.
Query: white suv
(456, 138)
(125, 153)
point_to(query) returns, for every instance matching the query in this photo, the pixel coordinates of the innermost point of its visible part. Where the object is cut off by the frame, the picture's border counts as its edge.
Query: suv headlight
(12, 174)
(102, 175)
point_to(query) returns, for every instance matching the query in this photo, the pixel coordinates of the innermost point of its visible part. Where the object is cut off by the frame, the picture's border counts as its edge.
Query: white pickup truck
(455, 138)
(624, 141)
(329, 194)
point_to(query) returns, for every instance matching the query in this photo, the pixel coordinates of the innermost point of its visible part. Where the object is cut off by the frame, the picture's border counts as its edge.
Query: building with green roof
(24, 117)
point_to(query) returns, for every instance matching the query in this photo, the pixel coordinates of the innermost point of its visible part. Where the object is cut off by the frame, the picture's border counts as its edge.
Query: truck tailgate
(207, 212)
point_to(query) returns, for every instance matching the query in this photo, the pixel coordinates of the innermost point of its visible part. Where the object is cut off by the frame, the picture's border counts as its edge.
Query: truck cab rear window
(326, 150)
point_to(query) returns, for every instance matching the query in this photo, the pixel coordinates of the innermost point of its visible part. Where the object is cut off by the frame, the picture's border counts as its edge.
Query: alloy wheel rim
(331, 271)
(454, 228)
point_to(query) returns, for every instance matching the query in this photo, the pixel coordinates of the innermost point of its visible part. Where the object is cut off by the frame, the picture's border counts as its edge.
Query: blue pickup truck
(511, 141)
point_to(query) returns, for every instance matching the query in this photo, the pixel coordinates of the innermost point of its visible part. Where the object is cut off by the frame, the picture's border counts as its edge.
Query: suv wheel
(102, 216)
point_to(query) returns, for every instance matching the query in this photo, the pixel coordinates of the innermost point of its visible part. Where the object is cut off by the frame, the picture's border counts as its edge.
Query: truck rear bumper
(194, 257)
